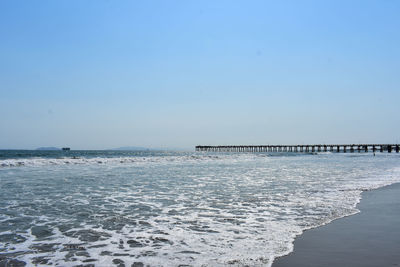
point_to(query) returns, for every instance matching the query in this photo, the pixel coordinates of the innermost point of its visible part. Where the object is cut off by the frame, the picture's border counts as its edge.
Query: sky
(175, 74)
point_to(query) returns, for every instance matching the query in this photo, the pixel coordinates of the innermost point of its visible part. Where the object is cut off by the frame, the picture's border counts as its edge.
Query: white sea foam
(199, 210)
(40, 161)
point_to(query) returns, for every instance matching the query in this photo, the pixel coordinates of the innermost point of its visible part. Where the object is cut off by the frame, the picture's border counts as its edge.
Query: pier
(352, 148)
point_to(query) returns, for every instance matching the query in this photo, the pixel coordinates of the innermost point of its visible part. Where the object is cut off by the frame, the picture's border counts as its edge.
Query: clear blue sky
(103, 74)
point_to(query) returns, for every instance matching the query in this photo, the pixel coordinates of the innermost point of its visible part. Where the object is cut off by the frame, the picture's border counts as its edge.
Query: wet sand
(369, 238)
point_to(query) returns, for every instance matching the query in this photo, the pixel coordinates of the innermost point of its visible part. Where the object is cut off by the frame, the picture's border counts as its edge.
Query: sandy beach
(369, 238)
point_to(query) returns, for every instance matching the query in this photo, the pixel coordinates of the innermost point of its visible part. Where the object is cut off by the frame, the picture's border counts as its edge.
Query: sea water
(109, 208)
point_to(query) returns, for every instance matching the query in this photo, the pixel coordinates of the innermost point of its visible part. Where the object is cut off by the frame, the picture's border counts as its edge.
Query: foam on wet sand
(369, 238)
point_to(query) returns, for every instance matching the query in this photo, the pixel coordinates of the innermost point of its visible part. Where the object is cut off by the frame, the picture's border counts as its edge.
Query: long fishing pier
(304, 148)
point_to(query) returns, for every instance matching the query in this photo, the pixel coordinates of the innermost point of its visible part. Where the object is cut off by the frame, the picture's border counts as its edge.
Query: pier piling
(303, 148)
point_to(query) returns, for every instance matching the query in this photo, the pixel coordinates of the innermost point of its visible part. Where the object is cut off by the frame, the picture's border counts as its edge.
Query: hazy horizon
(133, 148)
(175, 74)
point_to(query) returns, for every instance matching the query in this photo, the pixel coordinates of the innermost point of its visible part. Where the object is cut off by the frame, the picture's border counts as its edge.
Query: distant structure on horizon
(66, 149)
(304, 148)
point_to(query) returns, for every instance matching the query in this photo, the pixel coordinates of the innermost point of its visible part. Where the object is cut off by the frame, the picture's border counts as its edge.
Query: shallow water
(168, 209)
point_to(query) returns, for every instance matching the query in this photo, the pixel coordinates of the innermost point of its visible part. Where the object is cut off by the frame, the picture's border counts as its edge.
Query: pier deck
(304, 148)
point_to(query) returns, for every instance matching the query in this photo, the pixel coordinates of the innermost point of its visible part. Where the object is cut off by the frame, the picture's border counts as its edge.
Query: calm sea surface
(110, 208)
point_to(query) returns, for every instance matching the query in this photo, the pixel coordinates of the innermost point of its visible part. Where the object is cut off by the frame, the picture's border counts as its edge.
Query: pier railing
(304, 148)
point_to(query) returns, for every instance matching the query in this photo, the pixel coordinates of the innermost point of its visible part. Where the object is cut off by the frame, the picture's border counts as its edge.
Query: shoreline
(370, 237)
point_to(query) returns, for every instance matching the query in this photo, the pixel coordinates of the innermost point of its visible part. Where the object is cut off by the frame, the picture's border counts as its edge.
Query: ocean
(126, 208)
